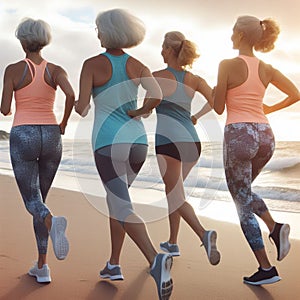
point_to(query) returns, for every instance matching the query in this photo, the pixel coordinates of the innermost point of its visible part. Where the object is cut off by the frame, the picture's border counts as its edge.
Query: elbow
(156, 102)
(219, 110)
(79, 111)
(82, 111)
(5, 112)
(296, 98)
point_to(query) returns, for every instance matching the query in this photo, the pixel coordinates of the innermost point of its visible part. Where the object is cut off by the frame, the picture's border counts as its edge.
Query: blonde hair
(119, 29)
(35, 33)
(262, 35)
(185, 50)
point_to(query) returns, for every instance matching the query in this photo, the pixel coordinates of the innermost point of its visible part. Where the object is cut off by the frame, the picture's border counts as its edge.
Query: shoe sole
(59, 240)
(113, 278)
(265, 281)
(167, 251)
(212, 252)
(164, 283)
(284, 242)
(40, 279)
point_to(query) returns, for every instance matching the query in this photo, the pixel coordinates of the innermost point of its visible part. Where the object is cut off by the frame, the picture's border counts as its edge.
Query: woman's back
(244, 101)
(33, 94)
(116, 96)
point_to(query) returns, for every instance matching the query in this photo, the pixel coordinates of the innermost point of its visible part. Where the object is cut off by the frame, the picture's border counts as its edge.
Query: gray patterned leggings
(247, 149)
(35, 152)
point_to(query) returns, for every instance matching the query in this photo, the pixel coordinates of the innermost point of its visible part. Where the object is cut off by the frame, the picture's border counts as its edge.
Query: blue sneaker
(113, 274)
(210, 245)
(160, 271)
(173, 249)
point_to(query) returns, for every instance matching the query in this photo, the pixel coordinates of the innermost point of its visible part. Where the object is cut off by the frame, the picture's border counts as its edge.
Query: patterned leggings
(35, 152)
(247, 149)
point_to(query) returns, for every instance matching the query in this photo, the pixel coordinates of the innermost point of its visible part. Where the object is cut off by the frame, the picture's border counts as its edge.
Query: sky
(208, 23)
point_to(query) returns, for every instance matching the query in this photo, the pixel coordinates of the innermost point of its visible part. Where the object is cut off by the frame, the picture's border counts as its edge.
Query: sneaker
(173, 249)
(209, 242)
(113, 274)
(160, 271)
(263, 277)
(280, 236)
(59, 240)
(42, 275)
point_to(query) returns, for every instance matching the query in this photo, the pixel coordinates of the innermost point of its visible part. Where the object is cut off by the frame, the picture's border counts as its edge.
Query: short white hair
(117, 28)
(35, 33)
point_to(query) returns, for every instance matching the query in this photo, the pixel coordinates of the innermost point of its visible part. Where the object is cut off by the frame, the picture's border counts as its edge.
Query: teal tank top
(112, 125)
(174, 122)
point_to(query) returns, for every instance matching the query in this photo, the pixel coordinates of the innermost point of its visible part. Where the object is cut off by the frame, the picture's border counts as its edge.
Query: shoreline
(76, 278)
(217, 210)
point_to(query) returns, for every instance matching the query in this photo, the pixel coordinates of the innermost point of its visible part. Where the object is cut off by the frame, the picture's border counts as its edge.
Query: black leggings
(118, 166)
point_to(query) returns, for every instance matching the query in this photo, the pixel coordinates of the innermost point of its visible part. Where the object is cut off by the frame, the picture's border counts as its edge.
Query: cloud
(208, 23)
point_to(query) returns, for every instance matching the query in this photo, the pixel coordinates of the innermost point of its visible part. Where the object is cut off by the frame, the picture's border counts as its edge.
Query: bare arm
(221, 89)
(153, 96)
(206, 91)
(7, 92)
(287, 87)
(82, 106)
(62, 81)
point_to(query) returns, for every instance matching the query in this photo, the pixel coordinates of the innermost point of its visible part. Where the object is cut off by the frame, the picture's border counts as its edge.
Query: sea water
(278, 183)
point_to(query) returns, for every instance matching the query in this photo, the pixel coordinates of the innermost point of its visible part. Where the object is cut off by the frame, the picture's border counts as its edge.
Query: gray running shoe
(113, 274)
(42, 275)
(173, 249)
(160, 272)
(57, 235)
(209, 242)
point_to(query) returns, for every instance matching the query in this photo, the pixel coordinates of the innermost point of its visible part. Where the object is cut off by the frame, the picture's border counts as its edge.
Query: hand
(194, 120)
(62, 128)
(134, 114)
(147, 115)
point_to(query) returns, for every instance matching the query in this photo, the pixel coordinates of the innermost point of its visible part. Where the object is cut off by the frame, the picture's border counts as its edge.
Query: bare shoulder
(135, 64)
(55, 70)
(195, 78)
(15, 67)
(231, 62)
(266, 67)
(95, 61)
(163, 74)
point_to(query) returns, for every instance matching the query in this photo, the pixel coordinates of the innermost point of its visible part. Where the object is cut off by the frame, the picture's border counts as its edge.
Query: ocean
(278, 184)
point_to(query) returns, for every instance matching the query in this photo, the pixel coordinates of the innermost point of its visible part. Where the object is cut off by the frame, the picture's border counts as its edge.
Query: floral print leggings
(247, 149)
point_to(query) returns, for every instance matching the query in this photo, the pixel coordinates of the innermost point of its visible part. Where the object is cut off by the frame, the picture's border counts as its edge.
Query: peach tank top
(244, 103)
(34, 102)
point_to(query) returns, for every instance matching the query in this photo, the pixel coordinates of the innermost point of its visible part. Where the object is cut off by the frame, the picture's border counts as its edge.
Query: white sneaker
(42, 275)
(58, 237)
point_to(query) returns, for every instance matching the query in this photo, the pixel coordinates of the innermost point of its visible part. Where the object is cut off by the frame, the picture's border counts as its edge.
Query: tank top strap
(179, 75)
(118, 64)
(24, 74)
(252, 65)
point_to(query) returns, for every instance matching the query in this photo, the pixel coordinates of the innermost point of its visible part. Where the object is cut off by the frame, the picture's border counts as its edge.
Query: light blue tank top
(112, 125)
(174, 115)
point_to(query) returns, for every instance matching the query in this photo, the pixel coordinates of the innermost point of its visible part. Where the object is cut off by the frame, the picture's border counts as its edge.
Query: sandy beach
(77, 276)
